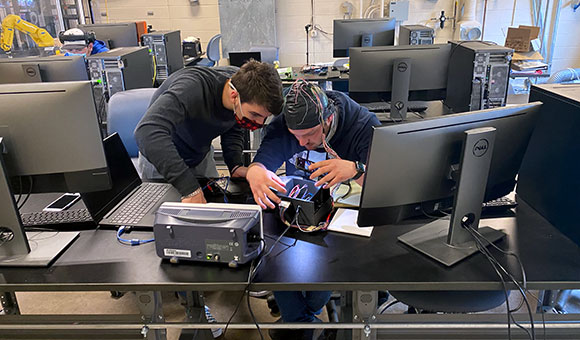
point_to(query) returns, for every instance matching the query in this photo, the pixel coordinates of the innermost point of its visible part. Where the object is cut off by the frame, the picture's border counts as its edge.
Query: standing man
(339, 131)
(194, 106)
(77, 42)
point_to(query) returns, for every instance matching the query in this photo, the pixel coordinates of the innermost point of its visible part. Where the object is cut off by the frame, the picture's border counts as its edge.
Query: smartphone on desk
(63, 202)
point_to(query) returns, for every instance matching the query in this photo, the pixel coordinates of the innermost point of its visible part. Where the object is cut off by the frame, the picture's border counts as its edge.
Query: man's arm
(154, 135)
(261, 180)
(232, 142)
(340, 170)
(275, 148)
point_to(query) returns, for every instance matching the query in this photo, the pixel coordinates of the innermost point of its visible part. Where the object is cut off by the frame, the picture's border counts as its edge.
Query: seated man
(77, 42)
(313, 120)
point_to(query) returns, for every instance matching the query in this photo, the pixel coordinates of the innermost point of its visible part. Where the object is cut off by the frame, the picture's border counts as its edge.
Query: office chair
(269, 53)
(340, 62)
(124, 113)
(451, 301)
(212, 52)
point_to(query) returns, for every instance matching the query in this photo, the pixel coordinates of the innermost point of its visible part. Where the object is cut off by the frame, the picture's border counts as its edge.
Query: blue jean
(301, 306)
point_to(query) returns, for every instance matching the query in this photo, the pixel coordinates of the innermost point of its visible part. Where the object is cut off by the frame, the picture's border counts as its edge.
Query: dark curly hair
(259, 83)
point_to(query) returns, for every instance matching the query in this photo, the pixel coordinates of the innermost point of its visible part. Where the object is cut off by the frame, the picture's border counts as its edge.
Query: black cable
(251, 274)
(502, 282)
(496, 265)
(514, 280)
(19, 190)
(31, 182)
(347, 192)
(282, 243)
(254, 317)
(508, 253)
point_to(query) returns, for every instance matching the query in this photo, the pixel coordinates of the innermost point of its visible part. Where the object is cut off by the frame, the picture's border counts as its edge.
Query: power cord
(478, 237)
(255, 265)
(30, 184)
(130, 242)
(523, 290)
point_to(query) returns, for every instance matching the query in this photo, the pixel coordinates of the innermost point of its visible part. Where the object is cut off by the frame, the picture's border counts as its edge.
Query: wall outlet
(313, 33)
(150, 13)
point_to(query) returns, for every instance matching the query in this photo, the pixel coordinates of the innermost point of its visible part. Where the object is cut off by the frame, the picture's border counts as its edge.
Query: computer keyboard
(499, 205)
(41, 218)
(139, 203)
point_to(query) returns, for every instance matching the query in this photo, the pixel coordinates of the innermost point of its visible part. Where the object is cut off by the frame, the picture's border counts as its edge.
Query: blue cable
(130, 242)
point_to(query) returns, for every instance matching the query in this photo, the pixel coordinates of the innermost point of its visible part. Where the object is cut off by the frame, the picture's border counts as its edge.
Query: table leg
(8, 303)
(364, 309)
(150, 305)
(195, 311)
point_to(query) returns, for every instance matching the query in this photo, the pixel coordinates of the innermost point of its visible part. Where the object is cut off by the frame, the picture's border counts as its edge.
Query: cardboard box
(533, 55)
(520, 38)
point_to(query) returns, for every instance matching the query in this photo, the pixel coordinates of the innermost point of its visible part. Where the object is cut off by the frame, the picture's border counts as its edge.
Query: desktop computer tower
(121, 69)
(165, 46)
(479, 76)
(415, 35)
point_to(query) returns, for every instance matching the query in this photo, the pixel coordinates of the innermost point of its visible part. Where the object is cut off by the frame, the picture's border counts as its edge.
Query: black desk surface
(328, 260)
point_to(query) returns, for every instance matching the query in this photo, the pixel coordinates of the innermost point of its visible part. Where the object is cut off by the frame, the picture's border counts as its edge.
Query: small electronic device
(303, 164)
(312, 203)
(63, 202)
(213, 232)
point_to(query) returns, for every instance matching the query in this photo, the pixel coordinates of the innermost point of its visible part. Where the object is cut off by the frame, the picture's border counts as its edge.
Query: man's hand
(240, 171)
(261, 179)
(199, 198)
(336, 170)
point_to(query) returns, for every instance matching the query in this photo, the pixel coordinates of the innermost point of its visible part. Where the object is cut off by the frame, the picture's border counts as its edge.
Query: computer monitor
(362, 32)
(423, 166)
(397, 74)
(121, 34)
(51, 142)
(240, 58)
(43, 69)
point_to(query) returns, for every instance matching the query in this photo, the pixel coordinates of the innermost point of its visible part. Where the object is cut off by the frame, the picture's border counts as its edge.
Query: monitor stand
(445, 239)
(400, 88)
(17, 248)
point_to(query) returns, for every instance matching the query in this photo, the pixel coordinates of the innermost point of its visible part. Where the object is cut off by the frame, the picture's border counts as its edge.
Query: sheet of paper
(344, 221)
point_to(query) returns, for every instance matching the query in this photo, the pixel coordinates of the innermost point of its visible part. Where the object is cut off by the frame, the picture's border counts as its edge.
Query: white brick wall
(193, 20)
(292, 15)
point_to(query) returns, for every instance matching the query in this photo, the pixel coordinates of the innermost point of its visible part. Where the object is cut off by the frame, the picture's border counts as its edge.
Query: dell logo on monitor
(480, 148)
